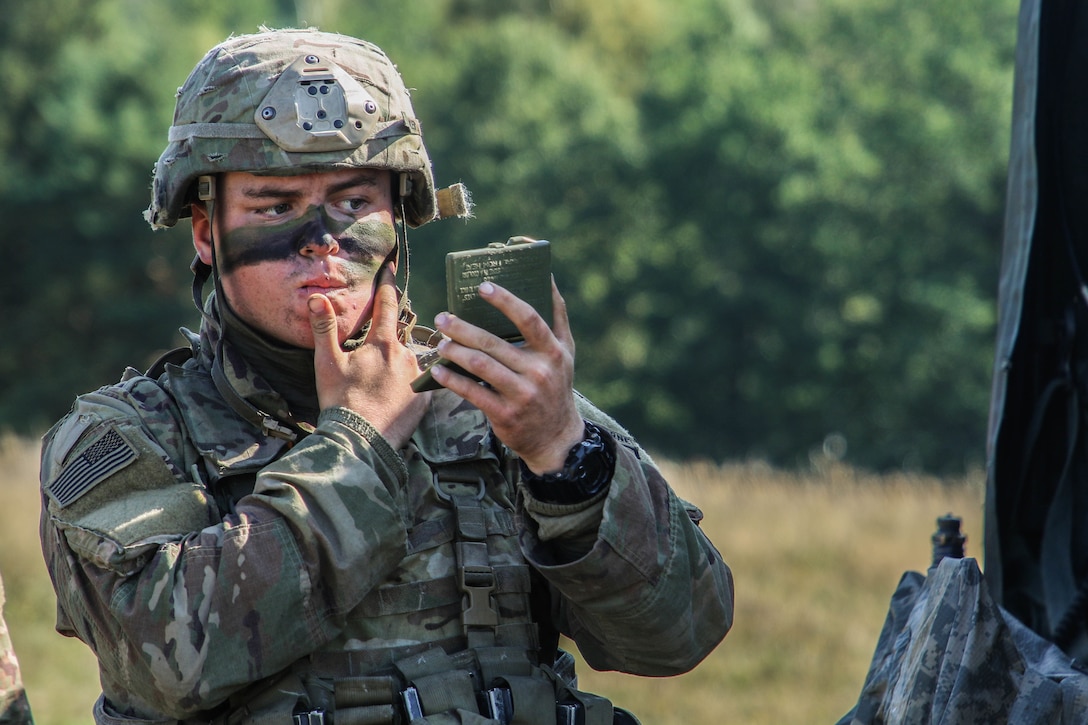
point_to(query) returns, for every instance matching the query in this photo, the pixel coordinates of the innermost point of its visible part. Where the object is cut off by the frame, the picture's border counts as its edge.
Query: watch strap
(587, 471)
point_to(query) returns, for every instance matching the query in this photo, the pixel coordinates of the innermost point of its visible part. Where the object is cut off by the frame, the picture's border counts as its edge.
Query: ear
(202, 233)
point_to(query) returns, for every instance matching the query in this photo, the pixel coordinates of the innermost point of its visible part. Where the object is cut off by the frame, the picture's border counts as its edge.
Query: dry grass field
(815, 556)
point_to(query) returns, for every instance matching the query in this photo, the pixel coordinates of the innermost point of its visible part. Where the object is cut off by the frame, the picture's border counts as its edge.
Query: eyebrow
(364, 178)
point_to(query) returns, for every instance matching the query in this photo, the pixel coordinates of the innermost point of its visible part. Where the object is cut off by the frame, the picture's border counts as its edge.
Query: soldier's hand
(529, 396)
(374, 379)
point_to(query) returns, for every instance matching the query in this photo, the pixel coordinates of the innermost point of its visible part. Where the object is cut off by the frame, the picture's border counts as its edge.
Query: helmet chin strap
(202, 271)
(206, 192)
(404, 310)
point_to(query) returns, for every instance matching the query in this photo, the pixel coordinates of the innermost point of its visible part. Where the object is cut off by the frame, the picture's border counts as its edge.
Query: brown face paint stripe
(359, 241)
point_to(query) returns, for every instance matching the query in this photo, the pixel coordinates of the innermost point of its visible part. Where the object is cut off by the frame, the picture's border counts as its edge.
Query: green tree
(844, 164)
(775, 223)
(88, 97)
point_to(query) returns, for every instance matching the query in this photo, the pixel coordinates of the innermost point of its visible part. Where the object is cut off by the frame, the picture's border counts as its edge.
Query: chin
(297, 335)
(304, 343)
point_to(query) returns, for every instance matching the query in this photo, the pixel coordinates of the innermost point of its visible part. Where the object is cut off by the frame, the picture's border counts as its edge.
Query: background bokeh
(777, 224)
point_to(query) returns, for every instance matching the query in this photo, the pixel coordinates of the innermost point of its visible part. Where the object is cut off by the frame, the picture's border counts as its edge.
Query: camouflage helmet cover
(288, 102)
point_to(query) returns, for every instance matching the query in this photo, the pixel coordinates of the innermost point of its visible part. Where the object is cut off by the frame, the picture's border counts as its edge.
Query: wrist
(555, 459)
(586, 472)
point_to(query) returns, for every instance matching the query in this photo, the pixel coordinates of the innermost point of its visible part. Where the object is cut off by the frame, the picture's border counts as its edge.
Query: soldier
(271, 526)
(14, 706)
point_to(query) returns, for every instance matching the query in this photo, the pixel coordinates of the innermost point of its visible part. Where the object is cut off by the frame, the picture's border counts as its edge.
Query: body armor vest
(453, 629)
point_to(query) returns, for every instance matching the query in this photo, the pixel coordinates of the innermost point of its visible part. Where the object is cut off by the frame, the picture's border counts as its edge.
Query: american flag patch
(106, 456)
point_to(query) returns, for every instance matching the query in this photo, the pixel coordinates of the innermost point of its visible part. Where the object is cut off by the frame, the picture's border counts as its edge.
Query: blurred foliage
(776, 224)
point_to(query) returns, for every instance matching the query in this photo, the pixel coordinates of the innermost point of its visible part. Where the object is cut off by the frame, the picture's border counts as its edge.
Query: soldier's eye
(275, 210)
(353, 205)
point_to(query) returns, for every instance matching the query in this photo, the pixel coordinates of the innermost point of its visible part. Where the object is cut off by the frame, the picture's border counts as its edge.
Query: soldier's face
(280, 239)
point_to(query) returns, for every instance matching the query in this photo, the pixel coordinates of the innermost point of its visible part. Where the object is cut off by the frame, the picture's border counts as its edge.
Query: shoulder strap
(265, 422)
(177, 356)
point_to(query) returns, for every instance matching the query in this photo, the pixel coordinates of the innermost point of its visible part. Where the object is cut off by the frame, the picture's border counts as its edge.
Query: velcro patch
(99, 460)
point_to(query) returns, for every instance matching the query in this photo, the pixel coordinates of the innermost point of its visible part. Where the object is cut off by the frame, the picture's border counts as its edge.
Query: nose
(319, 245)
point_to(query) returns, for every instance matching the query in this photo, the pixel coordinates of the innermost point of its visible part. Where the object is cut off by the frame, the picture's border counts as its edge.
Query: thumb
(323, 326)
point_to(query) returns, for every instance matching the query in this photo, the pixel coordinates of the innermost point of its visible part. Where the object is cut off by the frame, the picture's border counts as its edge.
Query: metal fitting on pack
(496, 703)
(314, 717)
(413, 707)
(446, 492)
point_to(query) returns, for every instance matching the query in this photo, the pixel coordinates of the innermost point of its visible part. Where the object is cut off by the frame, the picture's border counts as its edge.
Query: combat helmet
(288, 102)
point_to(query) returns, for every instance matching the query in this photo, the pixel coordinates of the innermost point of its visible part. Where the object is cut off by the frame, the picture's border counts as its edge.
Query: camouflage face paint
(365, 242)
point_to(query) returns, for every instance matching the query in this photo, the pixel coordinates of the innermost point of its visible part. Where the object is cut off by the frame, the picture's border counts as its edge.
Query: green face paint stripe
(250, 245)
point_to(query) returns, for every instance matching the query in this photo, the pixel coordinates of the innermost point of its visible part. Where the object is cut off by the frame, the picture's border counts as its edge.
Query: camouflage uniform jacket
(197, 556)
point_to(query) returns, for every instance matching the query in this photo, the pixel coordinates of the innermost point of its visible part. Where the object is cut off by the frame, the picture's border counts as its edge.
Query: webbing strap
(265, 422)
(416, 596)
(533, 700)
(389, 129)
(497, 663)
(368, 715)
(360, 691)
(425, 663)
(471, 524)
(475, 575)
(446, 691)
(273, 704)
(214, 130)
(427, 534)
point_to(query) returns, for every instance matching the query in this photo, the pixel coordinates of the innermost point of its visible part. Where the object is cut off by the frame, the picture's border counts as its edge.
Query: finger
(481, 396)
(323, 326)
(521, 313)
(383, 321)
(475, 349)
(560, 321)
(530, 324)
(496, 364)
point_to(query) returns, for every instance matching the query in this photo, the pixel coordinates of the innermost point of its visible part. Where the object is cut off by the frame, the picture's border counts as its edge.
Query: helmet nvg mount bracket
(316, 106)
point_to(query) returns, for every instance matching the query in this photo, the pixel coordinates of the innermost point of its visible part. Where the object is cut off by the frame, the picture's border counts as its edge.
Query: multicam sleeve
(14, 706)
(183, 607)
(647, 592)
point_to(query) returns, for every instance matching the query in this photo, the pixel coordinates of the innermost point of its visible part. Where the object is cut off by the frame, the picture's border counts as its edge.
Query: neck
(286, 369)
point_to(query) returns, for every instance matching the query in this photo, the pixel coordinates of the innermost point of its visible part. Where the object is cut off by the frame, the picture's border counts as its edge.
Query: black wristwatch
(586, 473)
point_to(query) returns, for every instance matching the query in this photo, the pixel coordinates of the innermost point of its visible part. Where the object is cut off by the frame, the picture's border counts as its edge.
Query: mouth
(321, 285)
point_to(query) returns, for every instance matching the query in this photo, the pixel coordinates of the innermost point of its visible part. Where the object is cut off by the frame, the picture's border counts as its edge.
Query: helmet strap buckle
(405, 189)
(205, 187)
